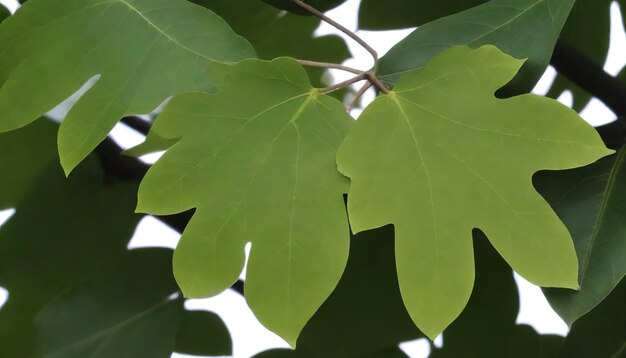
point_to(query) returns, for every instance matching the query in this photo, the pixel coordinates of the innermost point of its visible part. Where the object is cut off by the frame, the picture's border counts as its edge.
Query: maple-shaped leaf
(441, 155)
(257, 161)
(143, 50)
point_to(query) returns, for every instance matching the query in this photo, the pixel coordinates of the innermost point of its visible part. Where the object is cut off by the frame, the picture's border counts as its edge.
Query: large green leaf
(590, 201)
(441, 155)
(602, 332)
(256, 160)
(364, 316)
(143, 50)
(63, 231)
(128, 312)
(378, 15)
(522, 28)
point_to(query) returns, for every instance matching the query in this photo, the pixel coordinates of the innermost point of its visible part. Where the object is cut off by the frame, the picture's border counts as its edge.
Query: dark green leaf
(63, 231)
(590, 201)
(521, 28)
(380, 15)
(602, 332)
(203, 333)
(4, 13)
(144, 51)
(128, 312)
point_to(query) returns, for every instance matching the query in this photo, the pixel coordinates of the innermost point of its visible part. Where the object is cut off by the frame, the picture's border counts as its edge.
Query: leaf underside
(441, 155)
(257, 161)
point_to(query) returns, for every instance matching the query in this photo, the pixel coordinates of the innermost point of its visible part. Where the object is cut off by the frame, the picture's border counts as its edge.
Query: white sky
(249, 336)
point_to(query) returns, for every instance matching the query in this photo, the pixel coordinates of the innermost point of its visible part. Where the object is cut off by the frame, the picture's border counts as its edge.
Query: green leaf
(203, 333)
(321, 5)
(378, 15)
(365, 314)
(63, 231)
(590, 202)
(26, 155)
(257, 161)
(588, 29)
(602, 332)
(127, 312)
(441, 155)
(143, 50)
(521, 28)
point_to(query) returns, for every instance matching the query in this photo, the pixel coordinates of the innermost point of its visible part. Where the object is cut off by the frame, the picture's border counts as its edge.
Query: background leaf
(128, 312)
(203, 333)
(70, 237)
(442, 125)
(257, 161)
(378, 15)
(131, 44)
(63, 231)
(503, 23)
(4, 13)
(602, 332)
(590, 201)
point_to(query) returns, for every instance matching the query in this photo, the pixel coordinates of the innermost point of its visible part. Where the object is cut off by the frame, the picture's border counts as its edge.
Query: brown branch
(362, 76)
(313, 11)
(358, 95)
(588, 75)
(138, 124)
(335, 66)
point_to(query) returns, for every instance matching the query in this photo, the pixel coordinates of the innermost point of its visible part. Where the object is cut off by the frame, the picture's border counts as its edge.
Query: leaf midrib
(153, 25)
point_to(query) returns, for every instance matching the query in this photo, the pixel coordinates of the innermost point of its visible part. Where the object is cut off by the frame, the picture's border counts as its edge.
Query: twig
(329, 65)
(584, 72)
(358, 95)
(371, 76)
(338, 26)
(360, 77)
